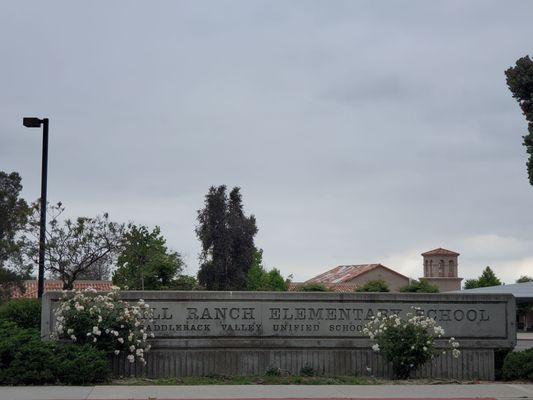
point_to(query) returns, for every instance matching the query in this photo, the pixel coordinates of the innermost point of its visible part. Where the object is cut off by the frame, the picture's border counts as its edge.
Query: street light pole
(35, 123)
(42, 233)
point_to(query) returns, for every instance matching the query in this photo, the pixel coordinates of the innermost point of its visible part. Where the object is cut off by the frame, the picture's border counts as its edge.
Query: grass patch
(249, 380)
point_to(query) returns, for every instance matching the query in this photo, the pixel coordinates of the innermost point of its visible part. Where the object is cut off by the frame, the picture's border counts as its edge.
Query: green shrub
(81, 365)
(374, 286)
(25, 359)
(26, 313)
(499, 358)
(34, 364)
(273, 370)
(307, 370)
(314, 287)
(421, 286)
(518, 365)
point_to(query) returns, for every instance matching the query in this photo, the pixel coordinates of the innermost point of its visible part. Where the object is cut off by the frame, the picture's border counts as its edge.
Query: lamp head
(32, 122)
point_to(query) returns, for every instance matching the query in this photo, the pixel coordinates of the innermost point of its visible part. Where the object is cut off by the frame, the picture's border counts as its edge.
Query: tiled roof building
(54, 285)
(347, 278)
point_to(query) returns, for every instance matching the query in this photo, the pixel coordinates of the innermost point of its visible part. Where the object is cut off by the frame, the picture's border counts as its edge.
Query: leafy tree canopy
(227, 238)
(378, 285)
(145, 262)
(524, 279)
(487, 278)
(258, 279)
(421, 286)
(73, 246)
(520, 83)
(14, 213)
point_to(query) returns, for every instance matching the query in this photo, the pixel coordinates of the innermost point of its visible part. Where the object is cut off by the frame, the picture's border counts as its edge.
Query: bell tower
(441, 269)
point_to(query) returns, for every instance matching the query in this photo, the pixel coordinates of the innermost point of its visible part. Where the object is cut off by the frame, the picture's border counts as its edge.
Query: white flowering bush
(105, 322)
(407, 342)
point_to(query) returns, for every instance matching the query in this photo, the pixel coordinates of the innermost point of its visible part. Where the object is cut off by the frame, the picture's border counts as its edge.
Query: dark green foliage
(307, 370)
(258, 279)
(81, 365)
(524, 279)
(421, 286)
(487, 278)
(314, 287)
(227, 237)
(273, 370)
(518, 365)
(145, 263)
(184, 282)
(25, 359)
(374, 286)
(14, 213)
(499, 358)
(25, 313)
(520, 83)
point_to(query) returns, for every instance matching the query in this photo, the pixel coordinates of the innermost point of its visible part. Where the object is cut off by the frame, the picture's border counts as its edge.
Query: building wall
(395, 281)
(440, 266)
(445, 284)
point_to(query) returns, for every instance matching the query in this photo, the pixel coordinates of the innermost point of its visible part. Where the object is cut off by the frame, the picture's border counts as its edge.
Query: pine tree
(487, 278)
(227, 237)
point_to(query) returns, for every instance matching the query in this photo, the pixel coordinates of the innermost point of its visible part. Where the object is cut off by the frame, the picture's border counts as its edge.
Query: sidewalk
(486, 391)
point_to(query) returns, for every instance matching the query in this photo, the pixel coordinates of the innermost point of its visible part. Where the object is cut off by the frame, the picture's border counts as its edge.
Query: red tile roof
(345, 273)
(440, 252)
(52, 285)
(334, 287)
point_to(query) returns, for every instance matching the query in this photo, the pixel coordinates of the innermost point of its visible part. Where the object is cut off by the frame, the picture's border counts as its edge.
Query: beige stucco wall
(432, 269)
(394, 280)
(445, 284)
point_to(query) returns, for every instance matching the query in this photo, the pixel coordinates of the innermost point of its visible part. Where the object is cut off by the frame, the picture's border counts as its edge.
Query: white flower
(456, 353)
(120, 340)
(139, 352)
(117, 352)
(131, 358)
(132, 348)
(72, 337)
(375, 347)
(425, 348)
(70, 331)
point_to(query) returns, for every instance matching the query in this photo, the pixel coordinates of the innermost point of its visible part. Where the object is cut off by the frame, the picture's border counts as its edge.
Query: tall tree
(145, 262)
(14, 213)
(520, 83)
(259, 279)
(227, 237)
(74, 247)
(487, 278)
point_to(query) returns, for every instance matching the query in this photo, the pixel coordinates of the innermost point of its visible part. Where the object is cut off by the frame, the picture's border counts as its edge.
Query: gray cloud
(358, 131)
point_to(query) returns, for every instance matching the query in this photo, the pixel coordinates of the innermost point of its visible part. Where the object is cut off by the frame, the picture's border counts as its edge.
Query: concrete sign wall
(202, 333)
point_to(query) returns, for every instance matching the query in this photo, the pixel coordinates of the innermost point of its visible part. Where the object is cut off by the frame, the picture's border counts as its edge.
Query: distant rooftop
(345, 273)
(522, 291)
(440, 252)
(54, 285)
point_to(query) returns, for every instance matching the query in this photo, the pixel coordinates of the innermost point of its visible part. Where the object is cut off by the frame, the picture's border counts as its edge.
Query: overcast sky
(359, 132)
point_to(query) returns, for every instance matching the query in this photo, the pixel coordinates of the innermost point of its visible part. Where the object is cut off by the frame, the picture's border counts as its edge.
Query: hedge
(26, 313)
(518, 365)
(25, 359)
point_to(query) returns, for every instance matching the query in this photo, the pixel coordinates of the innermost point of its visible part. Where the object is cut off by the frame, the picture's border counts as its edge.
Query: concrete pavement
(256, 392)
